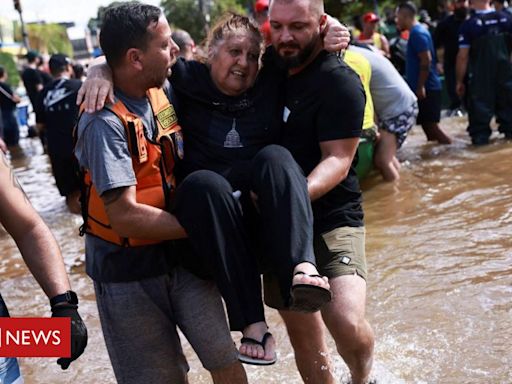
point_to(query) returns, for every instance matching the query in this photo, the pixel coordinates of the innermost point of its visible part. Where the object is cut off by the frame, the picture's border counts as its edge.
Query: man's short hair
(31, 56)
(182, 38)
(2, 71)
(78, 70)
(408, 6)
(315, 6)
(125, 26)
(58, 63)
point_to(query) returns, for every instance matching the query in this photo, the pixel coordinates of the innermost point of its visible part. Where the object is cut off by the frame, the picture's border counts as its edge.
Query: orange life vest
(153, 163)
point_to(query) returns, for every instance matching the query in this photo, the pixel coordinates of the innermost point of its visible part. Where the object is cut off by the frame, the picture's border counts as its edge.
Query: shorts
(401, 124)
(65, 172)
(430, 108)
(139, 321)
(339, 252)
(9, 368)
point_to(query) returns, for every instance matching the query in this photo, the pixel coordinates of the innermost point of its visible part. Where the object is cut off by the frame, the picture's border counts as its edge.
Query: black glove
(78, 332)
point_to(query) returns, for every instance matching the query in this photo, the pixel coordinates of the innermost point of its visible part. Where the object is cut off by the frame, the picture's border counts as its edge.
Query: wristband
(69, 297)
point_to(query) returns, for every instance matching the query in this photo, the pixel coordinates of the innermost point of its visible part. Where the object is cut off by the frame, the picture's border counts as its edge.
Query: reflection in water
(440, 255)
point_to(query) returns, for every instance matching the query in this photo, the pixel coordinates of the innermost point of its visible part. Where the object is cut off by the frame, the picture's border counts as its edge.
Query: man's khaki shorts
(339, 252)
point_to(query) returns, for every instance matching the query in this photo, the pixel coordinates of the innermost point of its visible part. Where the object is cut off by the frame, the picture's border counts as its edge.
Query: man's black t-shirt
(6, 103)
(223, 133)
(56, 108)
(447, 36)
(31, 79)
(46, 77)
(324, 102)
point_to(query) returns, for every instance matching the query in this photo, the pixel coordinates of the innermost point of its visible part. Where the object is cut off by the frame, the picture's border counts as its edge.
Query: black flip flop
(309, 298)
(252, 360)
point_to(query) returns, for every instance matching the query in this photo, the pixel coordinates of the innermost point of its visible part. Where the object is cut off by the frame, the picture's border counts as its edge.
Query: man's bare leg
(397, 164)
(345, 319)
(307, 336)
(384, 159)
(434, 133)
(232, 374)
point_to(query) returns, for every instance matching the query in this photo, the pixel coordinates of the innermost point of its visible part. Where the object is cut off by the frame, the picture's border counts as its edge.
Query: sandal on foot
(309, 298)
(254, 360)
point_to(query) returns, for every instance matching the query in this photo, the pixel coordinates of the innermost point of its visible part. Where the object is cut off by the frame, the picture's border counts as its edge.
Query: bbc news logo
(35, 337)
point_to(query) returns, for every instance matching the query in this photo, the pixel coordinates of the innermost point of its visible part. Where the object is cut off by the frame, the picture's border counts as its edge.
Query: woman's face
(234, 63)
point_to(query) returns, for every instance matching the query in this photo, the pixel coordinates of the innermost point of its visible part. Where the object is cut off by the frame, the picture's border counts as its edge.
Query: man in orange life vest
(127, 151)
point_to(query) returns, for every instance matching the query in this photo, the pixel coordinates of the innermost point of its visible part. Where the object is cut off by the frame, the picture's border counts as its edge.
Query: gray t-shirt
(102, 148)
(390, 93)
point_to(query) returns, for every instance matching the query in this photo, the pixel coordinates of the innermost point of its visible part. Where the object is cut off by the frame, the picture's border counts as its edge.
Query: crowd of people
(52, 96)
(237, 164)
(472, 40)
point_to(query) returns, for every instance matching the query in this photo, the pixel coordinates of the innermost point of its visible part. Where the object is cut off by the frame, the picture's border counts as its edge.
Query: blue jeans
(9, 368)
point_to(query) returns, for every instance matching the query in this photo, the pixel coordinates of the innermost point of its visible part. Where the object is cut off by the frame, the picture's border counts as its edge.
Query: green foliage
(187, 14)
(51, 38)
(221, 7)
(7, 61)
(95, 23)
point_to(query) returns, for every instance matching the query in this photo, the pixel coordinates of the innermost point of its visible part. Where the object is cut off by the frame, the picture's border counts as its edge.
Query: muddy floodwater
(439, 249)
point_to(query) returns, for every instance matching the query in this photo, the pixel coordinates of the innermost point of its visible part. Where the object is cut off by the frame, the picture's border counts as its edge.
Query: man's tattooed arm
(12, 177)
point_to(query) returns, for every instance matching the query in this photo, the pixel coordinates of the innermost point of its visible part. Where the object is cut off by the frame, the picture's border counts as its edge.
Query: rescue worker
(484, 54)
(396, 109)
(362, 67)
(128, 151)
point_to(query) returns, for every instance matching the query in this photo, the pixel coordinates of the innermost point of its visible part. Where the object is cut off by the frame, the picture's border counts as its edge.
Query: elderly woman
(231, 115)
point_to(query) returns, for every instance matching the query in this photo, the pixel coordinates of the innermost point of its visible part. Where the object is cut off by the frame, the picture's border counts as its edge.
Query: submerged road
(439, 249)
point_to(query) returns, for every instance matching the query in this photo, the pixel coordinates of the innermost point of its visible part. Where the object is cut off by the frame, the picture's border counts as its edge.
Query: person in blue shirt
(421, 73)
(484, 55)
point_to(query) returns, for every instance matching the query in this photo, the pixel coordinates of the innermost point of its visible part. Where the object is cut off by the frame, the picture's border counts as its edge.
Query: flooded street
(439, 250)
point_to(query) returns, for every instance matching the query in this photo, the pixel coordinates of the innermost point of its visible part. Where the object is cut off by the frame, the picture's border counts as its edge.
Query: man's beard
(158, 81)
(289, 62)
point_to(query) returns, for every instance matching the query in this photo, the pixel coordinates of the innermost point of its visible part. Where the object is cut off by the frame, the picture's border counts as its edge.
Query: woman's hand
(336, 35)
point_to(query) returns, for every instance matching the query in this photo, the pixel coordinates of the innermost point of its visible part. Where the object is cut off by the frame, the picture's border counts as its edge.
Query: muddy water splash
(439, 249)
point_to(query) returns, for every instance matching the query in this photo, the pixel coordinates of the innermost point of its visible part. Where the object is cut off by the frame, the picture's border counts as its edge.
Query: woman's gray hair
(227, 26)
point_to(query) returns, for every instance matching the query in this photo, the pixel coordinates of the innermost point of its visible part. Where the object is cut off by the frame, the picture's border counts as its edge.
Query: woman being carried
(231, 119)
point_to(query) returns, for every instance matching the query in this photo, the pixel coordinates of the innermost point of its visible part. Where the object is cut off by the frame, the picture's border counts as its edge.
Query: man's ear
(323, 23)
(133, 55)
(323, 19)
